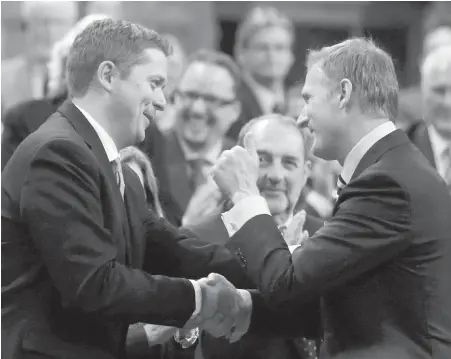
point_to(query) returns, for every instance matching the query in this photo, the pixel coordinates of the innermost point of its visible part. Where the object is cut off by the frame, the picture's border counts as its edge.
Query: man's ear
(107, 73)
(345, 93)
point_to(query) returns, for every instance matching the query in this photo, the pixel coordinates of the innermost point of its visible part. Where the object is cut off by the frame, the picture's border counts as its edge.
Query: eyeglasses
(209, 100)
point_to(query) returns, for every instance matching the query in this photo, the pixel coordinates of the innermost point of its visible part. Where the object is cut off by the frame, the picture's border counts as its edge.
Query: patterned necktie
(117, 170)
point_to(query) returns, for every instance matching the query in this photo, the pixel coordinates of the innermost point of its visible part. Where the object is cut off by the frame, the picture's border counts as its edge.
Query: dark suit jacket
(178, 181)
(419, 136)
(250, 108)
(381, 263)
(251, 346)
(22, 120)
(154, 147)
(73, 250)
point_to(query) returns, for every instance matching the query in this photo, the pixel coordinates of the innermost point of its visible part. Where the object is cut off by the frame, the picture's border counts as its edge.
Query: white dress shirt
(249, 207)
(112, 154)
(439, 146)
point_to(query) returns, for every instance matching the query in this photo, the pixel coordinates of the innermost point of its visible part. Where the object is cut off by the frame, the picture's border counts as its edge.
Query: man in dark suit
(433, 135)
(206, 105)
(264, 52)
(382, 262)
(79, 246)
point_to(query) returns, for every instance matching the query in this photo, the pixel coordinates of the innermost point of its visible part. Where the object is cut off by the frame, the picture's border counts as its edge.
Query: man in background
(206, 104)
(433, 135)
(437, 32)
(263, 50)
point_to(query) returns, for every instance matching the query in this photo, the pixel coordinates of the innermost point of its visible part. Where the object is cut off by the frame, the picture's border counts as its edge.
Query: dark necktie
(117, 170)
(340, 184)
(197, 176)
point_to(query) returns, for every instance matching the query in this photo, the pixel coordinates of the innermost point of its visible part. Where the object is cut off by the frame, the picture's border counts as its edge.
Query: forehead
(152, 62)
(278, 138)
(438, 75)
(315, 79)
(206, 77)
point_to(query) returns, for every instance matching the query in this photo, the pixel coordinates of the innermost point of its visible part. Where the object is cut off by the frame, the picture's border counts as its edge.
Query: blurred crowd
(212, 99)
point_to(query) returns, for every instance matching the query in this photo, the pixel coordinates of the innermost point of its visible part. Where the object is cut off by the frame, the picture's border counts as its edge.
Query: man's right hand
(224, 312)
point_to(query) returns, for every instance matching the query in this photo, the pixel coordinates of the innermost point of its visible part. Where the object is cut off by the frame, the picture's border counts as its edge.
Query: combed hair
(258, 18)
(57, 64)
(132, 154)
(281, 119)
(220, 59)
(119, 41)
(370, 70)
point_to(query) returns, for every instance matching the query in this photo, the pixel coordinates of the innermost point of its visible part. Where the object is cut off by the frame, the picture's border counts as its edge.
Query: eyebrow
(160, 80)
(290, 157)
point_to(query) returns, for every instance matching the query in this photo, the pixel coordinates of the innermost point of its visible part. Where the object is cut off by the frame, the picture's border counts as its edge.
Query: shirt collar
(362, 147)
(266, 98)
(211, 155)
(107, 142)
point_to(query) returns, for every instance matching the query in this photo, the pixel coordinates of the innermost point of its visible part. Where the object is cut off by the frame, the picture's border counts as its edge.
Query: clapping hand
(295, 234)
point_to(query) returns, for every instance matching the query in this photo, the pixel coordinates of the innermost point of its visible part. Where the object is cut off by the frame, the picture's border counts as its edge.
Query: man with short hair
(81, 256)
(206, 104)
(263, 49)
(433, 135)
(381, 264)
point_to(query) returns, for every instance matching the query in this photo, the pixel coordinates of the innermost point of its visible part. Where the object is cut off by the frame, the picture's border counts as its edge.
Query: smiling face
(283, 169)
(206, 104)
(322, 111)
(135, 98)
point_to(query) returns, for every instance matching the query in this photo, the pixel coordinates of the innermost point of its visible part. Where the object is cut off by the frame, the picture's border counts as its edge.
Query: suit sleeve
(180, 253)
(370, 227)
(61, 202)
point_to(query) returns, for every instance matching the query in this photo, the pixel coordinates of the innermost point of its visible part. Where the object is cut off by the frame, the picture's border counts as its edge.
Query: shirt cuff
(247, 298)
(246, 209)
(198, 296)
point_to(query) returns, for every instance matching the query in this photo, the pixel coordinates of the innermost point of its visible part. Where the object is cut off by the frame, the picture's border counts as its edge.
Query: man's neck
(361, 127)
(100, 115)
(272, 84)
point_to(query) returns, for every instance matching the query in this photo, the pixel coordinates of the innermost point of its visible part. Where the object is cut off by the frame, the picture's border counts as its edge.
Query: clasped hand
(224, 311)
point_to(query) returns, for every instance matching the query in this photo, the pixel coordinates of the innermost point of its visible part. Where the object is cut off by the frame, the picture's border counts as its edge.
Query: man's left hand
(236, 171)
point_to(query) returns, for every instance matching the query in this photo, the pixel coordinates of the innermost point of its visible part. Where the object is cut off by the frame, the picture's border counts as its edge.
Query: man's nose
(198, 105)
(276, 173)
(159, 101)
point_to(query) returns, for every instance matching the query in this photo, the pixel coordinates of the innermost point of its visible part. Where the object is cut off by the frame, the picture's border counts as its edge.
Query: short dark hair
(281, 119)
(220, 59)
(119, 41)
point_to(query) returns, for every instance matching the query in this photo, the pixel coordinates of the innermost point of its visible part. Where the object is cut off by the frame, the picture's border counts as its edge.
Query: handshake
(225, 310)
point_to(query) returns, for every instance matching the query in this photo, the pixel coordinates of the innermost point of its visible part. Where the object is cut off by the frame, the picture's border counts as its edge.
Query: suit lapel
(85, 130)
(423, 142)
(394, 139)
(178, 176)
(250, 103)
